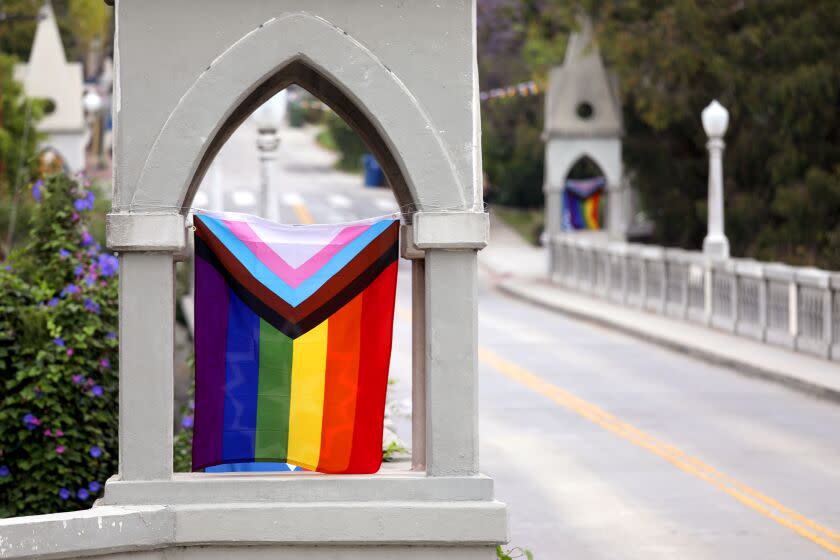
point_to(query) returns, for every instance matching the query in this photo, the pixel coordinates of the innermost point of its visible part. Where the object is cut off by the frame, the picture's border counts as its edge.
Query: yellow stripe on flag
(306, 411)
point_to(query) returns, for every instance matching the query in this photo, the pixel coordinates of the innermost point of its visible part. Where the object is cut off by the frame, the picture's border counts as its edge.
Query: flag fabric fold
(292, 341)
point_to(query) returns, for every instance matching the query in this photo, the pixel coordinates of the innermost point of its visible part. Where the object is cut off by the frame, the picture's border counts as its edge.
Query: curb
(508, 286)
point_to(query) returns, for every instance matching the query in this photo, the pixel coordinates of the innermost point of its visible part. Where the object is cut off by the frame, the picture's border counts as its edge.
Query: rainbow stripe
(582, 204)
(293, 341)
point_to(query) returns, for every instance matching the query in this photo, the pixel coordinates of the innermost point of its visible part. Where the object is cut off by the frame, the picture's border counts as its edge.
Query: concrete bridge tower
(583, 120)
(403, 74)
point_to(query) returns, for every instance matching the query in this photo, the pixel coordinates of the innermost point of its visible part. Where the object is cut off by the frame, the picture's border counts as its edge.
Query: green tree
(773, 64)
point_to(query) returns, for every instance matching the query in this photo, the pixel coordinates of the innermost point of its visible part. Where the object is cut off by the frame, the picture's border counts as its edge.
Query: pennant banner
(293, 330)
(582, 204)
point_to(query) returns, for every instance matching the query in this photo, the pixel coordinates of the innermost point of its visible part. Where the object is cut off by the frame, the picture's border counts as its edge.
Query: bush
(58, 356)
(346, 141)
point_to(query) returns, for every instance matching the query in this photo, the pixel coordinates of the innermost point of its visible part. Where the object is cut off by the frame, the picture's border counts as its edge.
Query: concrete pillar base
(716, 247)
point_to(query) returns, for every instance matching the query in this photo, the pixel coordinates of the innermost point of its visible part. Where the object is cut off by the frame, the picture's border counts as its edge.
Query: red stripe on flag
(377, 325)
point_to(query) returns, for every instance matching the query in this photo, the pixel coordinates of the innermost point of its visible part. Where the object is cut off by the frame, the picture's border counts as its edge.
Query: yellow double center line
(749, 497)
(302, 213)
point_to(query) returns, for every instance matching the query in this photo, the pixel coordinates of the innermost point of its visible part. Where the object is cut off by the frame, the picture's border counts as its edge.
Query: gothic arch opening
(304, 75)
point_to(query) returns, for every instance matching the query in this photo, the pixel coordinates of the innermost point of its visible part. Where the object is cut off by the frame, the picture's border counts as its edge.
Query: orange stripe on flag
(341, 387)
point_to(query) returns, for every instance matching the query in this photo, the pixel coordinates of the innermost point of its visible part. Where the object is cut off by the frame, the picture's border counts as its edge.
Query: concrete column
(451, 362)
(616, 227)
(418, 365)
(715, 121)
(147, 339)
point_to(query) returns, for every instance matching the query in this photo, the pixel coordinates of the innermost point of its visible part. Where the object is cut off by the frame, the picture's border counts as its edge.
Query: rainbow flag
(582, 203)
(293, 332)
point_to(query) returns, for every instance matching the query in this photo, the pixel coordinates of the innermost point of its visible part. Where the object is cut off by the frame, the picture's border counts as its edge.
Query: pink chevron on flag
(279, 254)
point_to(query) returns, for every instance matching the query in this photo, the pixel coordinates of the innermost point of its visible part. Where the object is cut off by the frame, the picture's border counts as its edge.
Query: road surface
(602, 446)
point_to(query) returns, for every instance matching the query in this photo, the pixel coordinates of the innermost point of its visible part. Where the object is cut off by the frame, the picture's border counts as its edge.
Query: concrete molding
(110, 529)
(408, 249)
(411, 136)
(451, 230)
(146, 232)
(193, 488)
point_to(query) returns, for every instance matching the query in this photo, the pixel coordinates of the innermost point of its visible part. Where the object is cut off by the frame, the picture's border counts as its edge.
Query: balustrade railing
(798, 308)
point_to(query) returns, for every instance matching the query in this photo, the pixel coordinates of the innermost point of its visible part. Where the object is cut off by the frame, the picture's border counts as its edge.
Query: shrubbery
(346, 142)
(58, 358)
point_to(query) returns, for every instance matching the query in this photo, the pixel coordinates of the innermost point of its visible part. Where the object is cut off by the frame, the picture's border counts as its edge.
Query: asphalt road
(602, 446)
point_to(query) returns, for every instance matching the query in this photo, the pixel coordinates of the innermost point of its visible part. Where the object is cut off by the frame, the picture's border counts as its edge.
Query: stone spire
(49, 75)
(582, 97)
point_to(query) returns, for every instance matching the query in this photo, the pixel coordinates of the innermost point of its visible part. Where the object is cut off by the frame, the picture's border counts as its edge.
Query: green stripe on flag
(274, 394)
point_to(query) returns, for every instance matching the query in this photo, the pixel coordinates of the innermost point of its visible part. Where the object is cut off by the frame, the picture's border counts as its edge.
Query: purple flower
(91, 305)
(87, 239)
(31, 421)
(187, 421)
(82, 494)
(64, 253)
(95, 452)
(59, 449)
(4, 471)
(64, 494)
(70, 289)
(90, 280)
(53, 302)
(97, 391)
(36, 190)
(70, 351)
(7, 268)
(59, 341)
(59, 433)
(75, 216)
(48, 432)
(108, 264)
(92, 251)
(94, 486)
(78, 379)
(105, 362)
(85, 203)
(111, 335)
(79, 270)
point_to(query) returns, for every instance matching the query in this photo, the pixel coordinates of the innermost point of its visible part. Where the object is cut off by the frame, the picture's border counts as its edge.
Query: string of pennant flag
(522, 89)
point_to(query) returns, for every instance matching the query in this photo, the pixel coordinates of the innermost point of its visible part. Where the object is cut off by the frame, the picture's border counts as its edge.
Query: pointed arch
(308, 50)
(563, 153)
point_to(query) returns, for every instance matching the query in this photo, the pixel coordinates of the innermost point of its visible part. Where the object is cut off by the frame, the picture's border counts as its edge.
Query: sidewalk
(520, 271)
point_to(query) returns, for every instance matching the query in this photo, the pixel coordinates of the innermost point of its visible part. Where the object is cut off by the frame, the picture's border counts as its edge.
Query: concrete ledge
(451, 230)
(808, 374)
(343, 523)
(78, 533)
(202, 488)
(110, 530)
(146, 232)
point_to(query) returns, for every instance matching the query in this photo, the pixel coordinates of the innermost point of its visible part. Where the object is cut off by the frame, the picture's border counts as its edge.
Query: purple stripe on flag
(211, 312)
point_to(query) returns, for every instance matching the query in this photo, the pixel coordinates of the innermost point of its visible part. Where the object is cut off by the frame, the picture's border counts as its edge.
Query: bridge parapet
(794, 307)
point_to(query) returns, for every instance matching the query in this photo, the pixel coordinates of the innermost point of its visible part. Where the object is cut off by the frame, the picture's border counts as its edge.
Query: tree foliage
(773, 64)
(58, 349)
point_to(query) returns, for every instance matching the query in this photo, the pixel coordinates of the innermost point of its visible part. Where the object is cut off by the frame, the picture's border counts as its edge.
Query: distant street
(603, 446)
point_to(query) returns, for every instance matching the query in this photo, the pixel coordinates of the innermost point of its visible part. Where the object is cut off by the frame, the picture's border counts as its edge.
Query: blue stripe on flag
(242, 372)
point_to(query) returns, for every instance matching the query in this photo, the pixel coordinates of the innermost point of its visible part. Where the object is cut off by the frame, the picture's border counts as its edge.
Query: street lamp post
(267, 118)
(715, 119)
